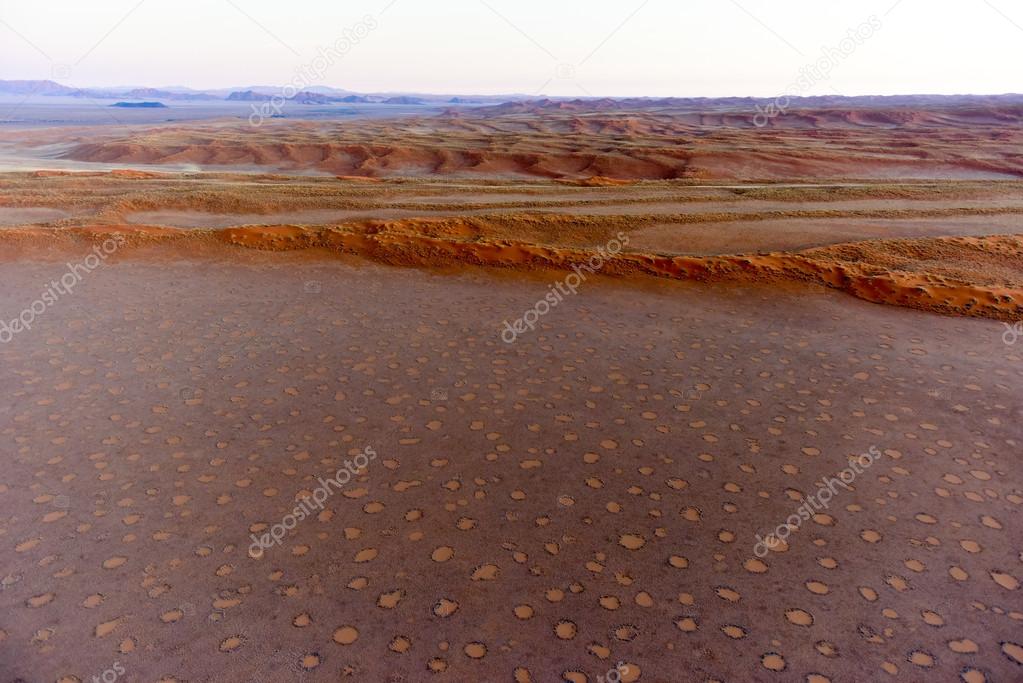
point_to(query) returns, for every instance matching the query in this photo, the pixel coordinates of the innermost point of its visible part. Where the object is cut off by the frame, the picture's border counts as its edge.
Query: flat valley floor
(580, 504)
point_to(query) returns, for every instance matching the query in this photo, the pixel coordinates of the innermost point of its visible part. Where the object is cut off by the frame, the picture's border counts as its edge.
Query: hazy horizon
(734, 48)
(178, 87)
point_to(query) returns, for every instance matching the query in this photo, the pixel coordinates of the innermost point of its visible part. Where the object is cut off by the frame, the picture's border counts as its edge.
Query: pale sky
(554, 47)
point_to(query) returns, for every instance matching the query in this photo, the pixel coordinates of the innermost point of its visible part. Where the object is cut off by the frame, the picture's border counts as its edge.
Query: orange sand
(979, 276)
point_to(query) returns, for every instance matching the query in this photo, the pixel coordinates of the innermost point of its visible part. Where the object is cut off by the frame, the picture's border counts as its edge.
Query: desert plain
(601, 352)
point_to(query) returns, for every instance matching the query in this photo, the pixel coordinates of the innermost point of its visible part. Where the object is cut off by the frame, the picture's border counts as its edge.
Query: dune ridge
(590, 142)
(965, 276)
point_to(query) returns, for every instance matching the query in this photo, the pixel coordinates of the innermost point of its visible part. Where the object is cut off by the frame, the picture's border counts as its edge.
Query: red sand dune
(926, 274)
(620, 139)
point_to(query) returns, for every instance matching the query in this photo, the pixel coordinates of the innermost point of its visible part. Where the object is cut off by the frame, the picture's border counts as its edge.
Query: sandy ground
(738, 237)
(588, 495)
(30, 215)
(946, 246)
(1006, 223)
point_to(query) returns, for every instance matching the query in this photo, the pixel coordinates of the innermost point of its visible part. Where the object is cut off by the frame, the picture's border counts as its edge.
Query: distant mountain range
(497, 104)
(54, 89)
(313, 95)
(726, 104)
